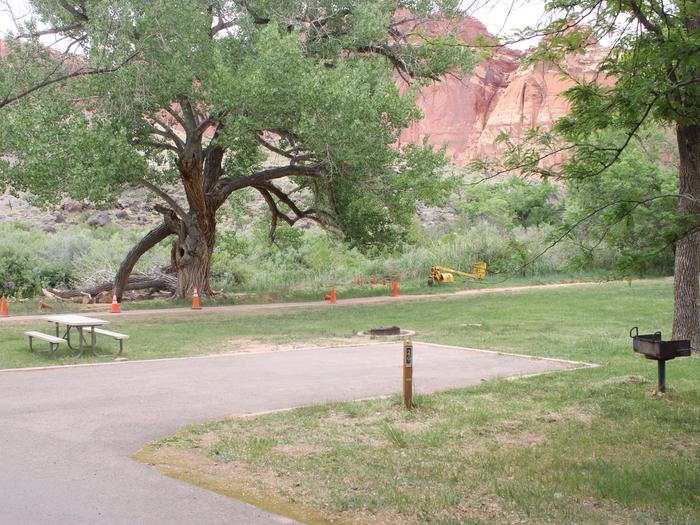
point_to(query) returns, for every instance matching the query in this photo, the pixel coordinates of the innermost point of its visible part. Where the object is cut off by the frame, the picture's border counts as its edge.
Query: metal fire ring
(387, 331)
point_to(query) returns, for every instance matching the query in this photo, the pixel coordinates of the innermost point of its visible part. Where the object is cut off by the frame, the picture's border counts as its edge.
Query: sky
(501, 17)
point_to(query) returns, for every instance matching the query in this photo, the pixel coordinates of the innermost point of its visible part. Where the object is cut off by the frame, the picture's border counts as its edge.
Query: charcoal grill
(653, 347)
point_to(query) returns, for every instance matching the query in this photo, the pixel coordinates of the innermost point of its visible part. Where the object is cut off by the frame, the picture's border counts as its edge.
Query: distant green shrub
(18, 276)
(71, 257)
(509, 225)
(314, 258)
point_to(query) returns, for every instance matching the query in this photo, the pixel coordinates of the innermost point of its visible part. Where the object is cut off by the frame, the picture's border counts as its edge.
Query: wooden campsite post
(408, 374)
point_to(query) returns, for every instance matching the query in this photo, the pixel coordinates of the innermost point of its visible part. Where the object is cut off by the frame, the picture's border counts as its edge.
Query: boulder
(99, 219)
(72, 206)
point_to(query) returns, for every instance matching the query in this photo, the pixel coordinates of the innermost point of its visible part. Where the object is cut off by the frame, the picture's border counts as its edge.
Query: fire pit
(387, 331)
(652, 347)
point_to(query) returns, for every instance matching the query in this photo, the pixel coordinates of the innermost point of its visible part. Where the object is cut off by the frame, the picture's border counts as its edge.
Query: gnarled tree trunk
(193, 249)
(687, 263)
(149, 241)
(192, 257)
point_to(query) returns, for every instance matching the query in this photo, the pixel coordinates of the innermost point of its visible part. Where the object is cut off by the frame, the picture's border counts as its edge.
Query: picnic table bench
(53, 341)
(81, 324)
(114, 335)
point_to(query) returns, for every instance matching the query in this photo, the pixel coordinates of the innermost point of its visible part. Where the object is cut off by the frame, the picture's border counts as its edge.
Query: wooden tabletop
(75, 320)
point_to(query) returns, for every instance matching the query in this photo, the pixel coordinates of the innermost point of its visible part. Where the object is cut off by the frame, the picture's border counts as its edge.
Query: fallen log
(156, 283)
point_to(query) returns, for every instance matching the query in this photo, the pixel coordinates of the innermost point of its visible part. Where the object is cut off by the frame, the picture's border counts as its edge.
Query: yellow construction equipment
(443, 274)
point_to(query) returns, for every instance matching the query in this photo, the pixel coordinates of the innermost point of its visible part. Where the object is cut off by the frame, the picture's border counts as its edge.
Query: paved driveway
(67, 434)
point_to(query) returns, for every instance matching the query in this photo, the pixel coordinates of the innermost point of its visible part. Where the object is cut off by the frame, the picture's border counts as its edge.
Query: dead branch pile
(158, 284)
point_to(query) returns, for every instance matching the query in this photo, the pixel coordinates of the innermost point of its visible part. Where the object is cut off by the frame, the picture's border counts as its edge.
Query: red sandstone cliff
(499, 95)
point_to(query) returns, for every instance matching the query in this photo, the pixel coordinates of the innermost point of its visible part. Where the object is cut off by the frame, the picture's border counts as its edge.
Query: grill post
(662, 376)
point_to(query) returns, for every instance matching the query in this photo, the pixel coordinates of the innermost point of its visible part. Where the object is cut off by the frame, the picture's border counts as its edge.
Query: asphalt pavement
(67, 434)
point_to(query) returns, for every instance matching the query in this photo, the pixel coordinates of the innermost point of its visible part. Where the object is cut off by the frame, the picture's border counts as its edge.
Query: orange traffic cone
(195, 301)
(115, 304)
(3, 307)
(374, 280)
(332, 295)
(394, 288)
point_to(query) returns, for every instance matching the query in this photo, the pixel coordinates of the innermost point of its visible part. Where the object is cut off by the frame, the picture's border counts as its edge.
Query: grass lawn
(296, 293)
(588, 446)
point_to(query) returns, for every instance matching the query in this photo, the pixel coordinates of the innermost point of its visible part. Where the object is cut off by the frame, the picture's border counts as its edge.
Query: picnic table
(79, 323)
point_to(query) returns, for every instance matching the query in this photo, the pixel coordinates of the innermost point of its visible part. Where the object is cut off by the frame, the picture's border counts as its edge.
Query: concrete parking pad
(67, 434)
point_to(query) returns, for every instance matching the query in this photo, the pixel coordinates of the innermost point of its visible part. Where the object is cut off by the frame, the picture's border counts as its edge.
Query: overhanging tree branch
(634, 204)
(163, 146)
(642, 18)
(51, 81)
(227, 185)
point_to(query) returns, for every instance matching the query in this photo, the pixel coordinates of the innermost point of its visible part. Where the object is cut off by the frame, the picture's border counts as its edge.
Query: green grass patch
(588, 446)
(594, 316)
(300, 293)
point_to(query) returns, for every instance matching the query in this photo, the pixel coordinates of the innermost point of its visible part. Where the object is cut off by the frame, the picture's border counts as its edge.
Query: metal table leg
(66, 336)
(82, 339)
(94, 345)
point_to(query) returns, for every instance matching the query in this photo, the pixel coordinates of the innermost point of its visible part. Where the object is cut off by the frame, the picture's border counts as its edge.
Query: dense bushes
(315, 258)
(509, 225)
(512, 225)
(31, 260)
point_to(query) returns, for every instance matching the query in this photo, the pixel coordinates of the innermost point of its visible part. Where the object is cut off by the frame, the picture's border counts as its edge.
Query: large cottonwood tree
(297, 101)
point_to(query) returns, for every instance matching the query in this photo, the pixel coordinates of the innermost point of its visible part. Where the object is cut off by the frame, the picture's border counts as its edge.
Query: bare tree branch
(50, 81)
(79, 15)
(166, 131)
(168, 199)
(228, 186)
(49, 31)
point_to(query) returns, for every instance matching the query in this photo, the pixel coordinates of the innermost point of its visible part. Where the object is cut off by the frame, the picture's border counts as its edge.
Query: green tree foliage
(629, 208)
(296, 101)
(515, 202)
(27, 66)
(650, 76)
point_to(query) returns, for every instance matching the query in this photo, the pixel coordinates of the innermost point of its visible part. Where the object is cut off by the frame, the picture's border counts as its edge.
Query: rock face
(500, 95)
